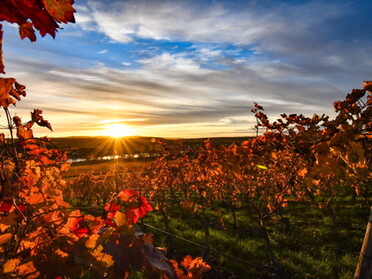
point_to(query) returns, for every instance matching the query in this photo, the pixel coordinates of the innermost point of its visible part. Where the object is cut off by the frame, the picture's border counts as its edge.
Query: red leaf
(22, 208)
(81, 232)
(6, 206)
(111, 208)
(27, 30)
(145, 206)
(77, 224)
(60, 10)
(132, 213)
(39, 120)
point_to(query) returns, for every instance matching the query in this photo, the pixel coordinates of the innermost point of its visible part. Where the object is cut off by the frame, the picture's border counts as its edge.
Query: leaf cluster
(42, 15)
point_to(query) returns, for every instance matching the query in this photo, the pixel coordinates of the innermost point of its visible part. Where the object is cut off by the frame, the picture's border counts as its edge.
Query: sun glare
(118, 130)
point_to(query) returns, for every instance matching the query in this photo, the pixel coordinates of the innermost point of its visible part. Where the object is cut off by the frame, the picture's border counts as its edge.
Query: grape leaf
(11, 265)
(10, 88)
(4, 238)
(6, 85)
(6, 206)
(60, 10)
(39, 120)
(26, 30)
(43, 15)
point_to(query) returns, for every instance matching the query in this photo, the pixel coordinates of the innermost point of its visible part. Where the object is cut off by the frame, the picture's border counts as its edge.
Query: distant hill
(93, 147)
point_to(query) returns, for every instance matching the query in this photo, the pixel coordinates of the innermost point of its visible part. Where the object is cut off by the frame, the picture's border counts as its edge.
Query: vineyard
(303, 183)
(291, 202)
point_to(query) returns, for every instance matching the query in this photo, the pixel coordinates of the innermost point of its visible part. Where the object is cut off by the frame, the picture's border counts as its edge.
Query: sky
(185, 69)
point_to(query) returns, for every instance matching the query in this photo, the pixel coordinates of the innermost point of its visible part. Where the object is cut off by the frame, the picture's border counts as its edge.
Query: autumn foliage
(42, 15)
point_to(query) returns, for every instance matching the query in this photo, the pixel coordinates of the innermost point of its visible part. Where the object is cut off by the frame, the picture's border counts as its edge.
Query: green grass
(316, 245)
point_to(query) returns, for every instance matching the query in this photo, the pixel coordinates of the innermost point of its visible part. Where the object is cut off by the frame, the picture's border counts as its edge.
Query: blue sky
(191, 68)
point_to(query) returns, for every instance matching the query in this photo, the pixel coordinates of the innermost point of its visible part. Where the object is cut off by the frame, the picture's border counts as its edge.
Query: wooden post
(364, 268)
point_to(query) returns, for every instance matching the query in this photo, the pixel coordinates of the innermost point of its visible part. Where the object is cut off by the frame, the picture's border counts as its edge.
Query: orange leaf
(6, 85)
(4, 238)
(302, 173)
(28, 270)
(10, 265)
(27, 30)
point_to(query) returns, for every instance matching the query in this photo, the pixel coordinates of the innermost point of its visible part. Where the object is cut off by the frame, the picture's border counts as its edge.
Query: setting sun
(118, 130)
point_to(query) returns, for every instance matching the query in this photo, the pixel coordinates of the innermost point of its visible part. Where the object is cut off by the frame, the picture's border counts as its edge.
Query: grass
(102, 167)
(314, 247)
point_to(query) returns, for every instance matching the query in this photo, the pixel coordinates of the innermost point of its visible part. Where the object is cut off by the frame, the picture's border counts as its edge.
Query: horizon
(149, 137)
(189, 69)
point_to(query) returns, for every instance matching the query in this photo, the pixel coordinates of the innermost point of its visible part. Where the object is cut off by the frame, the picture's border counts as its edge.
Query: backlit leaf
(39, 120)
(4, 238)
(28, 270)
(11, 265)
(92, 241)
(302, 173)
(6, 85)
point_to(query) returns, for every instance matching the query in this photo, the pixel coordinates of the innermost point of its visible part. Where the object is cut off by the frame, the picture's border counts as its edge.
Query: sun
(117, 130)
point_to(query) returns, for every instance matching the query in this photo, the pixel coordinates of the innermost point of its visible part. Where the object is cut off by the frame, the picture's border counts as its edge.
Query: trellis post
(364, 268)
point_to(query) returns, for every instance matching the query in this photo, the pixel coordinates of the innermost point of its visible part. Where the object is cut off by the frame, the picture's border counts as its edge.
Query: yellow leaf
(103, 257)
(92, 241)
(120, 219)
(122, 223)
